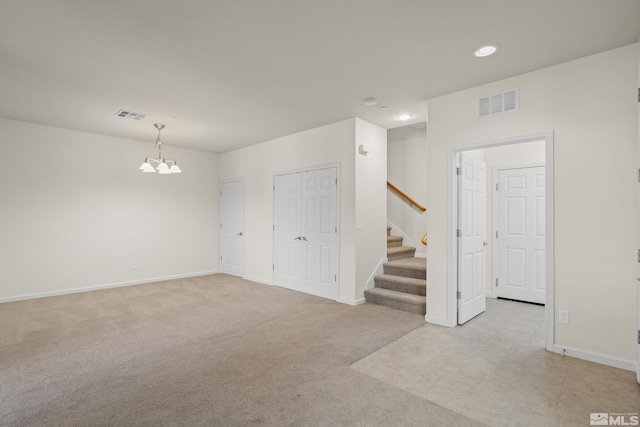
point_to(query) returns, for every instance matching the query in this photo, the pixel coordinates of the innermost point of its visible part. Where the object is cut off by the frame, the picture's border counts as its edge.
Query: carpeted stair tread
(407, 267)
(394, 241)
(408, 285)
(399, 252)
(397, 300)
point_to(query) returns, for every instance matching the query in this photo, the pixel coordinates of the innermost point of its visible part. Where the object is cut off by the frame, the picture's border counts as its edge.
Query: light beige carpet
(208, 351)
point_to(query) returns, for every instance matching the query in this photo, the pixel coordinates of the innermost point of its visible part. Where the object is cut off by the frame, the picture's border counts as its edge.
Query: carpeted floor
(214, 350)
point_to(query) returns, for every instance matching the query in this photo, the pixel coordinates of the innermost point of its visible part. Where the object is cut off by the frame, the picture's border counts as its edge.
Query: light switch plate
(563, 317)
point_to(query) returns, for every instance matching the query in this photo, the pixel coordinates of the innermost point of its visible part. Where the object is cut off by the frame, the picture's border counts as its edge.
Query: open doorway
(520, 266)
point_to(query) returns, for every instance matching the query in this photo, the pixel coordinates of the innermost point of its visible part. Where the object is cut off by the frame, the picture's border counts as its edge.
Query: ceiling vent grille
(126, 114)
(498, 103)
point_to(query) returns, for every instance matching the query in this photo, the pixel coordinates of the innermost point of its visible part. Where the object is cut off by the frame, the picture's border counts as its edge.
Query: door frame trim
(494, 252)
(452, 220)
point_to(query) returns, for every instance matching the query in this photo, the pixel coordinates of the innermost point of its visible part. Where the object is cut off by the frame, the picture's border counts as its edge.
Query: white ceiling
(239, 72)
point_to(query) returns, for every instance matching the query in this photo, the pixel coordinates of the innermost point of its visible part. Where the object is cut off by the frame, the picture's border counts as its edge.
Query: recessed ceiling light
(485, 51)
(370, 102)
(404, 117)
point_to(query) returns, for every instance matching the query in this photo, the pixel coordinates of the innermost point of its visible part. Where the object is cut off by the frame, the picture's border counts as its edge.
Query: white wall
(407, 170)
(371, 201)
(334, 143)
(590, 104)
(76, 212)
(495, 157)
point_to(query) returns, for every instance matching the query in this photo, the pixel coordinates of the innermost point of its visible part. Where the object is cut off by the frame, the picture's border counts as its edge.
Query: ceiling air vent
(504, 102)
(131, 115)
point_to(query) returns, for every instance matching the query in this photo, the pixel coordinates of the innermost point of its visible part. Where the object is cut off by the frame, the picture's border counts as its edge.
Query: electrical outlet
(563, 317)
(134, 265)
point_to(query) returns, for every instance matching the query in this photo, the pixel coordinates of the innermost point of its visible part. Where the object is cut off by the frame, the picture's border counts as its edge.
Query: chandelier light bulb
(146, 167)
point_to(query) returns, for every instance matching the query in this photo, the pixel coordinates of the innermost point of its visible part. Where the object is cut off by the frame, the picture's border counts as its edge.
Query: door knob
(485, 244)
(298, 238)
(305, 239)
(239, 234)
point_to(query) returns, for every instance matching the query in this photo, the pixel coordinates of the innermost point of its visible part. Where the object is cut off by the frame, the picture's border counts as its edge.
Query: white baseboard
(258, 280)
(105, 286)
(627, 365)
(437, 321)
(351, 302)
(379, 270)
(419, 255)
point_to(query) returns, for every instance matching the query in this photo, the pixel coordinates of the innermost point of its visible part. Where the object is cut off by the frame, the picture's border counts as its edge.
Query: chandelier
(163, 166)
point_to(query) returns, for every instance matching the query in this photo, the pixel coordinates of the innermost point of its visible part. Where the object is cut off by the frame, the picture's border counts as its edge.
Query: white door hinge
(458, 171)
(458, 233)
(459, 295)
(496, 282)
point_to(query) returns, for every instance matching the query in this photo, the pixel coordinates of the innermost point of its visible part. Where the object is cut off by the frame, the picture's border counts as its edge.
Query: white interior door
(472, 242)
(232, 228)
(305, 232)
(521, 234)
(287, 235)
(319, 238)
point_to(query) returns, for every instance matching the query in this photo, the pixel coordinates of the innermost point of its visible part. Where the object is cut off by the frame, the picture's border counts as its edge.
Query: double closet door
(306, 232)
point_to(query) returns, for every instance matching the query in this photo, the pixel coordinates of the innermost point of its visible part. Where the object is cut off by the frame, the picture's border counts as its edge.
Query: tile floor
(495, 369)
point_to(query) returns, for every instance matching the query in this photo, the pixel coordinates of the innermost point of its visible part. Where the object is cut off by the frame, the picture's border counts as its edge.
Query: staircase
(403, 285)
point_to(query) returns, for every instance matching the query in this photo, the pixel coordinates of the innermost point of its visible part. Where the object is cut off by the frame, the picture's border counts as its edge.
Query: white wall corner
(438, 321)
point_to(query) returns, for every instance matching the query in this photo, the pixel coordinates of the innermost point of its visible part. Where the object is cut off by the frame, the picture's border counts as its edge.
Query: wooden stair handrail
(407, 198)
